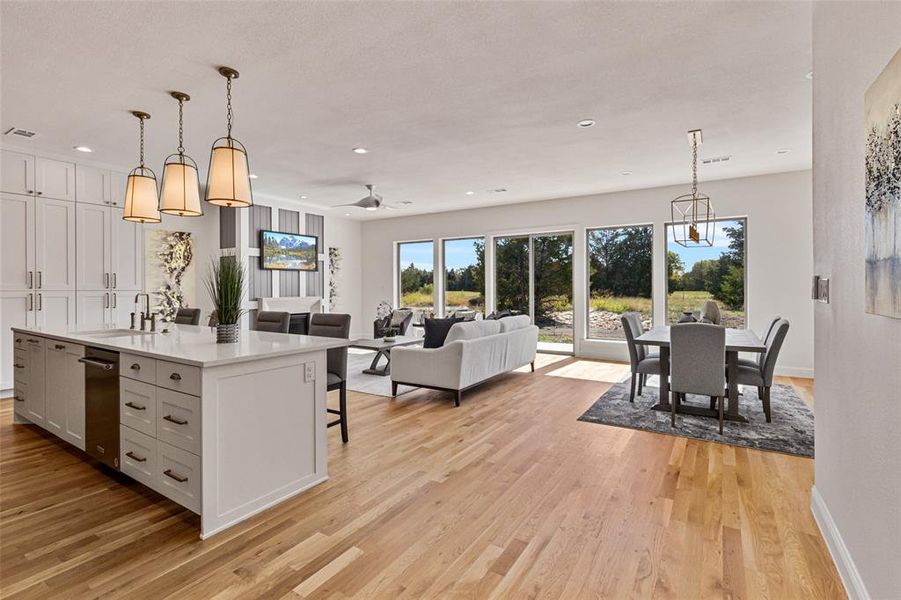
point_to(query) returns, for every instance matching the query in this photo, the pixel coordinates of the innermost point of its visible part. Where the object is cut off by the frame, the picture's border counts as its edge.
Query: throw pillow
(436, 331)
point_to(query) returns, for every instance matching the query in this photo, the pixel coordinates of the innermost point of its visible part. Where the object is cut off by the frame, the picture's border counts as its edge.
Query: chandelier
(693, 220)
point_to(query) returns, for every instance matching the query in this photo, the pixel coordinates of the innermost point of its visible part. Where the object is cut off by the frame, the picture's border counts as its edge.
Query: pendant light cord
(228, 103)
(142, 141)
(694, 167)
(181, 144)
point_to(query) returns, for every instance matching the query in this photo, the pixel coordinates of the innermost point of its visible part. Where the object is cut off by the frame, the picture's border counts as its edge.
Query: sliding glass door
(533, 275)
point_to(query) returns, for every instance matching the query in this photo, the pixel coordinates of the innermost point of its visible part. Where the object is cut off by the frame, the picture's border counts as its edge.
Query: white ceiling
(448, 97)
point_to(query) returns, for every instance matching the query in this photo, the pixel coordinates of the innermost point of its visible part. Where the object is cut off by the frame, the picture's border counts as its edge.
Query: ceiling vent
(497, 191)
(20, 132)
(715, 160)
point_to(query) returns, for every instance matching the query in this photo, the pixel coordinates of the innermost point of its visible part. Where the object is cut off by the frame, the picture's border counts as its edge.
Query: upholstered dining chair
(187, 316)
(697, 355)
(277, 322)
(641, 362)
(761, 374)
(337, 326)
(758, 360)
(710, 313)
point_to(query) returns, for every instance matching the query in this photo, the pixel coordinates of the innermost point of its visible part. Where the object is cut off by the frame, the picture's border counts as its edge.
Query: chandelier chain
(142, 141)
(181, 143)
(228, 102)
(694, 166)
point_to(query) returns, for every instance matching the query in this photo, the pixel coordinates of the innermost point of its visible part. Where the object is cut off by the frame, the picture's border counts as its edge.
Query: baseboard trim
(804, 372)
(847, 570)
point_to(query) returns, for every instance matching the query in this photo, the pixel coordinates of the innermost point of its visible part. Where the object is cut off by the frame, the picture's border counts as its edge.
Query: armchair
(400, 319)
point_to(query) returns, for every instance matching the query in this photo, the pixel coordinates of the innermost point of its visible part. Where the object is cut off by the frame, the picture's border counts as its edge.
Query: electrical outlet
(309, 372)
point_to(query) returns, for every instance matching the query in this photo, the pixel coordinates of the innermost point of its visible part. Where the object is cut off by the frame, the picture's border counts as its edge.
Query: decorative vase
(687, 317)
(390, 338)
(227, 334)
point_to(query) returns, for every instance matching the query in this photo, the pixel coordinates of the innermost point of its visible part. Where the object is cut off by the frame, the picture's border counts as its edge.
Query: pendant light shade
(180, 194)
(228, 179)
(140, 188)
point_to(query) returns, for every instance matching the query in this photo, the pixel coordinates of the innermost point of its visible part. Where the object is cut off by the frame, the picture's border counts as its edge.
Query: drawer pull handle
(18, 340)
(175, 377)
(175, 476)
(59, 346)
(20, 399)
(175, 420)
(135, 367)
(18, 366)
(33, 341)
(135, 406)
(135, 457)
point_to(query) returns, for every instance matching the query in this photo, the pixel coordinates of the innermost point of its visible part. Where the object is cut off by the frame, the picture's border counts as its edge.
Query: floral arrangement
(176, 253)
(334, 266)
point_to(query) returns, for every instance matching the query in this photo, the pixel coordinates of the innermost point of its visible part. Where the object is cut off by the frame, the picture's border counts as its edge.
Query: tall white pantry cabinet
(66, 256)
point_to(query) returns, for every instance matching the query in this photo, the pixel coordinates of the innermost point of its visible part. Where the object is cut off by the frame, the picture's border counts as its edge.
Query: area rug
(790, 432)
(358, 381)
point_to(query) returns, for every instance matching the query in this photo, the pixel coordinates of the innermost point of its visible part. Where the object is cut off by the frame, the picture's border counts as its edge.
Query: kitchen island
(226, 430)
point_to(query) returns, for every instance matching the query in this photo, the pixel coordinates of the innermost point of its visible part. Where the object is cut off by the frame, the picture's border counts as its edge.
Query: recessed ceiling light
(346, 214)
(585, 123)
(470, 193)
(809, 75)
(82, 148)
(783, 150)
(626, 173)
(361, 150)
(253, 175)
(303, 197)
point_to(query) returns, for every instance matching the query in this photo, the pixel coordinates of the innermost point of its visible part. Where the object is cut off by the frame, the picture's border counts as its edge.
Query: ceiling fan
(372, 201)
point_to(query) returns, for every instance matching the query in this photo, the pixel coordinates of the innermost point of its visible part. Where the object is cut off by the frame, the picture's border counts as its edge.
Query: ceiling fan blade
(356, 204)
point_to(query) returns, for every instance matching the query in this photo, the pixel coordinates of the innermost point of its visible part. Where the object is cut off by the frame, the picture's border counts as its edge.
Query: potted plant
(225, 284)
(391, 334)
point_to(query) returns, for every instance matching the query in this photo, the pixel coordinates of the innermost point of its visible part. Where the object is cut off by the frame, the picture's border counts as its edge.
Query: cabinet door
(16, 242)
(17, 172)
(54, 244)
(55, 393)
(122, 304)
(16, 310)
(118, 181)
(54, 310)
(74, 384)
(34, 401)
(92, 185)
(54, 179)
(92, 235)
(126, 253)
(92, 309)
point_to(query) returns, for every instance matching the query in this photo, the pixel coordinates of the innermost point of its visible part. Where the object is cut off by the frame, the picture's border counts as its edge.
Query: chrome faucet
(145, 314)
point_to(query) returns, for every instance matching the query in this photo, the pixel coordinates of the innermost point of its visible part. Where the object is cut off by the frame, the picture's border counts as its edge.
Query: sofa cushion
(513, 323)
(470, 330)
(436, 331)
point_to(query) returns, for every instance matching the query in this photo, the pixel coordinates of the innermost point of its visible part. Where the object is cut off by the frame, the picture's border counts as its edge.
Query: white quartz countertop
(192, 344)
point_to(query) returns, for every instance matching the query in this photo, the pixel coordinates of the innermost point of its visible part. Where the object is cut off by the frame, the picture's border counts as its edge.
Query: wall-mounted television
(282, 251)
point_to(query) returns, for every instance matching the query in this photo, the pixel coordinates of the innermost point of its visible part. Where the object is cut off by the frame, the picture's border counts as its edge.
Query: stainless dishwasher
(101, 397)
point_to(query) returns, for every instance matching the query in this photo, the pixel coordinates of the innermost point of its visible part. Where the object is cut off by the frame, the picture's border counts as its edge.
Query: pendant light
(180, 193)
(140, 188)
(693, 220)
(228, 179)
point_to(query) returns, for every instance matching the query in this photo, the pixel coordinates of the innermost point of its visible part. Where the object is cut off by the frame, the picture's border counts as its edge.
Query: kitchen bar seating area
(450, 299)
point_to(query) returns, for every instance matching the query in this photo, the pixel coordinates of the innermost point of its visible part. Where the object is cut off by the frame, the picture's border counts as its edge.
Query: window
(511, 274)
(464, 275)
(416, 262)
(620, 266)
(708, 273)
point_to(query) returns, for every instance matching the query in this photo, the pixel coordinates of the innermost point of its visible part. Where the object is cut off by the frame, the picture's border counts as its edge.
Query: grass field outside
(679, 302)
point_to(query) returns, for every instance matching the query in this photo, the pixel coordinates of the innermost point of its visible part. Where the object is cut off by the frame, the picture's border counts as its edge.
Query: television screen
(288, 251)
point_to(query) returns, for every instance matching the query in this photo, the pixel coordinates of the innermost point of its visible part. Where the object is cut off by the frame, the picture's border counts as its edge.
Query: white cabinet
(17, 172)
(17, 309)
(118, 181)
(54, 248)
(122, 304)
(16, 242)
(110, 250)
(54, 309)
(126, 253)
(92, 185)
(35, 398)
(92, 309)
(54, 179)
(65, 399)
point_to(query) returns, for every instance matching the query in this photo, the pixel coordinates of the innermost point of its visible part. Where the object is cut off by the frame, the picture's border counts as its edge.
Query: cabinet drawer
(20, 366)
(137, 405)
(138, 367)
(19, 341)
(181, 378)
(178, 476)
(178, 419)
(20, 390)
(139, 456)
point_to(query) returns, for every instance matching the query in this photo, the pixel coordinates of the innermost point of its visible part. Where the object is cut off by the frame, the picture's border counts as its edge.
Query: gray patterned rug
(791, 430)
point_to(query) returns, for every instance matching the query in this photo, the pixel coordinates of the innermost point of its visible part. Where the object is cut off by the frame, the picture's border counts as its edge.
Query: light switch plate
(309, 372)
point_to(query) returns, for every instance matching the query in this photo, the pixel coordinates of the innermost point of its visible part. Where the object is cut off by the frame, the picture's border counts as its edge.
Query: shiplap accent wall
(289, 281)
(227, 232)
(315, 225)
(259, 280)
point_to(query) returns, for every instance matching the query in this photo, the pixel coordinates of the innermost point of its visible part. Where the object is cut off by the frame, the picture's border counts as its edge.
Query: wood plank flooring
(508, 496)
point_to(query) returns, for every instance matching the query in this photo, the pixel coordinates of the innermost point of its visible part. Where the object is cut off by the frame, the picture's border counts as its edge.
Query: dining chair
(187, 316)
(710, 313)
(697, 355)
(641, 362)
(277, 322)
(335, 325)
(758, 360)
(761, 374)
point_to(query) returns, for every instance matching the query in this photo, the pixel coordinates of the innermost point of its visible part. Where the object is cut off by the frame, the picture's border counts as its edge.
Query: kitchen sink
(111, 333)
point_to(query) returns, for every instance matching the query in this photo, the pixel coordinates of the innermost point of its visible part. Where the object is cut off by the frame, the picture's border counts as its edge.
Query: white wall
(779, 241)
(857, 497)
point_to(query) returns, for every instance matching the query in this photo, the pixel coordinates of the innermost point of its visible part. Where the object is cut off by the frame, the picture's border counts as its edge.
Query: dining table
(737, 340)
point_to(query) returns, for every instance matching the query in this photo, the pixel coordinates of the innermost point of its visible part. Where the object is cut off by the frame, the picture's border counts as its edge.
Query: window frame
(588, 230)
(397, 271)
(442, 292)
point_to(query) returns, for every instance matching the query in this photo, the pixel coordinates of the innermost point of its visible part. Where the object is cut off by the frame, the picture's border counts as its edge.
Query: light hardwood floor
(507, 496)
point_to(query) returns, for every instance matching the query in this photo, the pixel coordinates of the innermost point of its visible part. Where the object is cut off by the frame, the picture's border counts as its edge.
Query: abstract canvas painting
(170, 277)
(882, 107)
